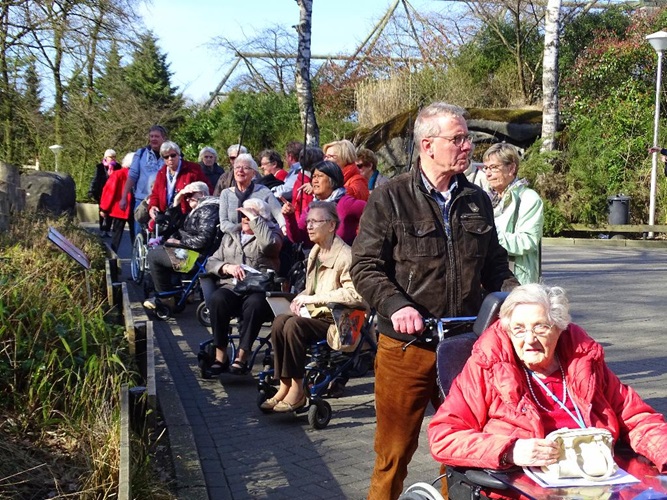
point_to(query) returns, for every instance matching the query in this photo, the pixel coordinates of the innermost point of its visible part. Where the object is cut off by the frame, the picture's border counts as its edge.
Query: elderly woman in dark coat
(255, 244)
(194, 235)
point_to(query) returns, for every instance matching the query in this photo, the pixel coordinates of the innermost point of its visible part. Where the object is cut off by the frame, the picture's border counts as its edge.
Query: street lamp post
(56, 148)
(658, 41)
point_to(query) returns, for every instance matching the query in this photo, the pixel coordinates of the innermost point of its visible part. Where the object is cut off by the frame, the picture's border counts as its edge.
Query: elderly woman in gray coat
(257, 244)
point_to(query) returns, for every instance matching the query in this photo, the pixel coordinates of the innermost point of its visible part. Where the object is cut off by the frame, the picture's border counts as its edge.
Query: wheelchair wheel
(138, 260)
(162, 311)
(421, 491)
(265, 393)
(319, 414)
(204, 315)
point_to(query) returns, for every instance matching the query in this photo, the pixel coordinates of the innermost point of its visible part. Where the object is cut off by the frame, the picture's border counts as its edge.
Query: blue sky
(185, 28)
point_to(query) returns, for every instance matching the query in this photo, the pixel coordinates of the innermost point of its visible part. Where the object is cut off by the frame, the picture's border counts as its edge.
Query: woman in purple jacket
(327, 181)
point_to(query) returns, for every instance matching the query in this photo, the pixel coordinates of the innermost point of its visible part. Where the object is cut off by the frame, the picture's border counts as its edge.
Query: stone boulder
(53, 192)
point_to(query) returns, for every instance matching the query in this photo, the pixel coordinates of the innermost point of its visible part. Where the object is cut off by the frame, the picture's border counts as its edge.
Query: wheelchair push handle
(436, 329)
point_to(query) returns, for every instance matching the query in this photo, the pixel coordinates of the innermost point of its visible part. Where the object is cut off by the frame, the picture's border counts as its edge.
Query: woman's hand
(306, 188)
(287, 207)
(533, 452)
(234, 270)
(173, 241)
(153, 211)
(248, 213)
(298, 302)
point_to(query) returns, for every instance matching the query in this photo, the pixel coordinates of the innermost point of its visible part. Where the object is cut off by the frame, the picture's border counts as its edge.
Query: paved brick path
(617, 294)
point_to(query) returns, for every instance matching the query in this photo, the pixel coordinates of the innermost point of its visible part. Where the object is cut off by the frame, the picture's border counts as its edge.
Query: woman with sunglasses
(174, 175)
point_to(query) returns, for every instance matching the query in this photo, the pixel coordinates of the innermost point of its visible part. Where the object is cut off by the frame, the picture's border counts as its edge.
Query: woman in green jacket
(518, 212)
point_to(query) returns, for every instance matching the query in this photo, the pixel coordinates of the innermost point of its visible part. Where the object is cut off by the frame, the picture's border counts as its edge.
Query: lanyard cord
(578, 419)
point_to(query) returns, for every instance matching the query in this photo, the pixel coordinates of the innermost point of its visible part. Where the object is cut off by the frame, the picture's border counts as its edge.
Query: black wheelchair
(325, 366)
(455, 338)
(187, 285)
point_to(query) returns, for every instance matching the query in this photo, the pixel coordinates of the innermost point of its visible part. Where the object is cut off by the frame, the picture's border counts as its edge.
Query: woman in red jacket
(109, 203)
(174, 175)
(530, 373)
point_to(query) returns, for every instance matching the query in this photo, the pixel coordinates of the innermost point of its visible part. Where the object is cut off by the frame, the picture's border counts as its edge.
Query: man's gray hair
(426, 126)
(169, 146)
(259, 207)
(552, 298)
(235, 150)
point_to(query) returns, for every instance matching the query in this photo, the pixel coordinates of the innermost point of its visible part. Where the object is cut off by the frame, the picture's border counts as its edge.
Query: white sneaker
(150, 304)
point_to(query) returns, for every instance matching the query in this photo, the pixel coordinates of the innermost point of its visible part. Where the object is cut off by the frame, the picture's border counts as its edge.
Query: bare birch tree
(304, 90)
(550, 75)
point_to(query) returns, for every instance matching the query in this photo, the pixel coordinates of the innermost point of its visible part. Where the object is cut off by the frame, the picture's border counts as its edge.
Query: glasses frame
(493, 168)
(245, 168)
(316, 222)
(458, 140)
(521, 334)
(169, 156)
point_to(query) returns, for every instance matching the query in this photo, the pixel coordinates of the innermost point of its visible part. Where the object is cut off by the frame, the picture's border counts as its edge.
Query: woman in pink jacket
(530, 373)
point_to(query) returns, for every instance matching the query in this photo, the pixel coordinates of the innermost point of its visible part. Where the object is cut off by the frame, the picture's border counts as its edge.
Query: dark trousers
(225, 305)
(405, 383)
(118, 228)
(161, 269)
(290, 337)
(105, 222)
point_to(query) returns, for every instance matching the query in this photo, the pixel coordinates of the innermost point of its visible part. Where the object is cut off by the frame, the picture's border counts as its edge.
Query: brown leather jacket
(403, 257)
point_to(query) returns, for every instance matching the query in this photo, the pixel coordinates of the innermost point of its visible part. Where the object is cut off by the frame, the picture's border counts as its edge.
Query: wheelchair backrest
(453, 352)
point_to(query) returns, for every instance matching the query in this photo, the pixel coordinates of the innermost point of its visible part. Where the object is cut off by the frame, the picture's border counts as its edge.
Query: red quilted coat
(489, 405)
(190, 172)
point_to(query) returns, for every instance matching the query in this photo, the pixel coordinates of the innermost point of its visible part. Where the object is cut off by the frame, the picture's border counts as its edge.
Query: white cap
(109, 152)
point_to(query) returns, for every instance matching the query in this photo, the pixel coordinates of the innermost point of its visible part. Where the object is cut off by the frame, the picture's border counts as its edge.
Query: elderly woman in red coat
(112, 193)
(530, 373)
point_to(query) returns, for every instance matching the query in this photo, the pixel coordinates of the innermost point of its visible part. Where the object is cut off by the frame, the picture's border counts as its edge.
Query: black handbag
(255, 282)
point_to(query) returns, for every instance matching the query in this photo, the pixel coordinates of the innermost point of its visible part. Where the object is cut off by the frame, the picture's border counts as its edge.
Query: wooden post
(124, 474)
(129, 320)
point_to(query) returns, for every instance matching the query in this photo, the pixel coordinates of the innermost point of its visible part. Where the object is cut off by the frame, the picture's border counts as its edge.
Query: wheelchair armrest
(338, 305)
(484, 479)
(179, 245)
(488, 313)
(286, 295)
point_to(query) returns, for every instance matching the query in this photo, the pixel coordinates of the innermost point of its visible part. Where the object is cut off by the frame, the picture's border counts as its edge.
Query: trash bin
(619, 209)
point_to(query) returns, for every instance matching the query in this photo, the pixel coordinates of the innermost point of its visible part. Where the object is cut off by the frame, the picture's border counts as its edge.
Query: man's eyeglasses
(492, 168)
(172, 155)
(458, 140)
(232, 158)
(264, 164)
(539, 330)
(315, 222)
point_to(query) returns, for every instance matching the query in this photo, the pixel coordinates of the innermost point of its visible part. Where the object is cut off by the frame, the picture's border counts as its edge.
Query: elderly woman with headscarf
(531, 373)
(255, 243)
(244, 188)
(327, 182)
(193, 237)
(518, 211)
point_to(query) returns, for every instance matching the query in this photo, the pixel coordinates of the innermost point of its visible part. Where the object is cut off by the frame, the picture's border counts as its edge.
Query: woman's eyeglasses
(172, 155)
(492, 168)
(243, 167)
(539, 330)
(315, 222)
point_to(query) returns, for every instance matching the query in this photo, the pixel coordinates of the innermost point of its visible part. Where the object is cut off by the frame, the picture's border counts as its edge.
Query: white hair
(259, 207)
(236, 149)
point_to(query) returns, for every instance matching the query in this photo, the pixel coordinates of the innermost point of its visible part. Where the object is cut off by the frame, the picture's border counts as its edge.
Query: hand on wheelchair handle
(407, 321)
(154, 242)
